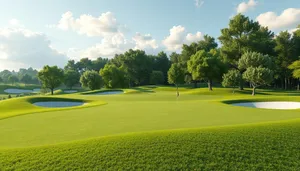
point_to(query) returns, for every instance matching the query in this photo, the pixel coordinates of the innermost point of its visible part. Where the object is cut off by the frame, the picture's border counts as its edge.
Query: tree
(208, 43)
(99, 63)
(51, 77)
(258, 76)
(113, 76)
(71, 65)
(1, 80)
(26, 79)
(232, 79)
(258, 69)
(136, 64)
(175, 58)
(285, 56)
(84, 64)
(295, 67)
(13, 79)
(162, 63)
(91, 80)
(71, 78)
(206, 66)
(5, 74)
(244, 35)
(157, 77)
(176, 75)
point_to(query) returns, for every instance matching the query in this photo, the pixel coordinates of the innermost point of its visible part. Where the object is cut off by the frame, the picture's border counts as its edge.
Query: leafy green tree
(157, 78)
(232, 79)
(71, 78)
(71, 65)
(295, 67)
(1, 80)
(244, 35)
(13, 79)
(137, 65)
(206, 66)
(258, 69)
(208, 43)
(285, 56)
(296, 41)
(84, 64)
(175, 58)
(5, 74)
(26, 79)
(99, 63)
(114, 77)
(162, 63)
(91, 80)
(176, 75)
(51, 77)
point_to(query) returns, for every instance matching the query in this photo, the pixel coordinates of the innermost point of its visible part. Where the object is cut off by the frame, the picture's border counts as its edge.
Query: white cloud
(178, 36)
(116, 44)
(193, 38)
(199, 3)
(288, 19)
(105, 24)
(144, 42)
(246, 6)
(25, 48)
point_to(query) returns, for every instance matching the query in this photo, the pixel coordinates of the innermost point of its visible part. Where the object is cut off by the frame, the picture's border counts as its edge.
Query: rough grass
(130, 137)
(251, 147)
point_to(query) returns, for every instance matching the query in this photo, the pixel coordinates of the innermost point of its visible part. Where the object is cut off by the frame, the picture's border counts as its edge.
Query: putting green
(130, 112)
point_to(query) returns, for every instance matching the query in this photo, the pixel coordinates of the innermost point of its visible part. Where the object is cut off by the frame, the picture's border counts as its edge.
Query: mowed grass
(200, 132)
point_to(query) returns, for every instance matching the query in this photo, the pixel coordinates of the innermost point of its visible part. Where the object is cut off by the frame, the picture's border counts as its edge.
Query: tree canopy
(51, 77)
(91, 80)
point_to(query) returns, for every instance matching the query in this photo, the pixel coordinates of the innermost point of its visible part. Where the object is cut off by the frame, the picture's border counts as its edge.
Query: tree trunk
(209, 83)
(285, 83)
(298, 85)
(242, 84)
(52, 91)
(233, 90)
(253, 91)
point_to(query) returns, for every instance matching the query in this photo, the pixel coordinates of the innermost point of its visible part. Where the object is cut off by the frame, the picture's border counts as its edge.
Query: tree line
(249, 54)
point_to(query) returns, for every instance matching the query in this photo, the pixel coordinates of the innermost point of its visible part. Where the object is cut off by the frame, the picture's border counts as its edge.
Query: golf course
(150, 128)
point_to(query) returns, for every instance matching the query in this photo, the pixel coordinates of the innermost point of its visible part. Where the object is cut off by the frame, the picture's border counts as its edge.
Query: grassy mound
(269, 146)
(23, 105)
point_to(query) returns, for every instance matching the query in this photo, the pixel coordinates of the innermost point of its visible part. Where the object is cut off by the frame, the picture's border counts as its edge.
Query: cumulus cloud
(105, 24)
(199, 3)
(288, 19)
(25, 48)
(144, 41)
(246, 6)
(178, 36)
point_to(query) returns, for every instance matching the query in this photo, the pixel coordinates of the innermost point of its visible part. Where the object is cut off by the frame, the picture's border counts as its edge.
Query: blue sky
(152, 19)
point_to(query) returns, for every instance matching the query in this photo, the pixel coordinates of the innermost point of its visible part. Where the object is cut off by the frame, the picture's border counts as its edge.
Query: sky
(34, 33)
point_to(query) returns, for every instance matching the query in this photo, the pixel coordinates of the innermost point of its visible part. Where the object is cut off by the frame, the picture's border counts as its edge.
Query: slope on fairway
(269, 146)
(131, 113)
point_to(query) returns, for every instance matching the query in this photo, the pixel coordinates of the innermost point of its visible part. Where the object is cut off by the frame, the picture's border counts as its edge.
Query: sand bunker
(55, 104)
(70, 91)
(270, 105)
(17, 91)
(108, 93)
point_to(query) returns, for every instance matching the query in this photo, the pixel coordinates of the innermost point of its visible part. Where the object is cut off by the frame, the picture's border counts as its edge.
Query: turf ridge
(261, 146)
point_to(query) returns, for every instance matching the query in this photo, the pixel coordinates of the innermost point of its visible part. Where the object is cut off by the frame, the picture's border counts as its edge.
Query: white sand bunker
(270, 105)
(17, 91)
(108, 93)
(70, 91)
(56, 104)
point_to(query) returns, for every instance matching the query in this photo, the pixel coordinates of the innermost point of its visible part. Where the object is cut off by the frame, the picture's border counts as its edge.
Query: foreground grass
(269, 146)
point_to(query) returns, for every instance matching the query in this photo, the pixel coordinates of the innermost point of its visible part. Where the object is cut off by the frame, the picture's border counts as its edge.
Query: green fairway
(149, 109)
